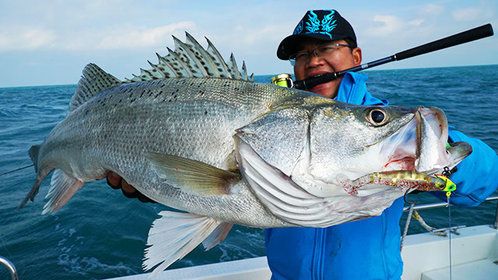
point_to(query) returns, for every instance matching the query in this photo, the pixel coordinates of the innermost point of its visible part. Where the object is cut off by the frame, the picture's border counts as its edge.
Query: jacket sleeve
(476, 176)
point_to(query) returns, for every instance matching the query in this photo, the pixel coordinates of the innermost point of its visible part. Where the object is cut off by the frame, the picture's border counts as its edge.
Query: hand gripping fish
(199, 136)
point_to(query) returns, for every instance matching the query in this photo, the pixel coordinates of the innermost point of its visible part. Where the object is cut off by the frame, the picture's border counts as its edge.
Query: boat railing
(412, 210)
(444, 204)
(10, 267)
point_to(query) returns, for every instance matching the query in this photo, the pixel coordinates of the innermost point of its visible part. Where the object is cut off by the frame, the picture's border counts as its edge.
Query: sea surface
(102, 234)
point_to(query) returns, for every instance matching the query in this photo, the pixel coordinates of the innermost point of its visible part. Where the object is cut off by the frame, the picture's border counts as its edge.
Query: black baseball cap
(326, 25)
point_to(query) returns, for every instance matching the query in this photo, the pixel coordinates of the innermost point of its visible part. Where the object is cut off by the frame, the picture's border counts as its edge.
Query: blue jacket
(369, 248)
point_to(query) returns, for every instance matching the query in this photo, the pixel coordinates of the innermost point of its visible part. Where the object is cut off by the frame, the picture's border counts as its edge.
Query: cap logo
(315, 25)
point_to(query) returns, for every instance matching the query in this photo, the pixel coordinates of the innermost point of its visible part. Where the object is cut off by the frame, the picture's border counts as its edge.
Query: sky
(49, 42)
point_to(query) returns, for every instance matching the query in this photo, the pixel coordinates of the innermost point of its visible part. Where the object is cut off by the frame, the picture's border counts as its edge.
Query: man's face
(336, 59)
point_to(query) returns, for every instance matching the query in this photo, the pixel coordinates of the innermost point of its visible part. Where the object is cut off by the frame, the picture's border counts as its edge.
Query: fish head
(349, 142)
(323, 147)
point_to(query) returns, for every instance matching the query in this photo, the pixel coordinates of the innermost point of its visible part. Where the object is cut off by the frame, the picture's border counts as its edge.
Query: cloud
(433, 9)
(112, 38)
(467, 14)
(385, 25)
(254, 40)
(416, 22)
(140, 38)
(26, 38)
(471, 14)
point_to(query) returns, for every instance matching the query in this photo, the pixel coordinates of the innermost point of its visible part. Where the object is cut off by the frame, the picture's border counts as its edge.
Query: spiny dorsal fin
(190, 59)
(234, 70)
(93, 81)
(244, 71)
(209, 62)
(220, 62)
(186, 54)
(155, 71)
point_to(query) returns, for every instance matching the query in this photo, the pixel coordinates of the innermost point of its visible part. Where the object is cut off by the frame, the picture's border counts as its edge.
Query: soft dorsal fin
(93, 81)
(189, 60)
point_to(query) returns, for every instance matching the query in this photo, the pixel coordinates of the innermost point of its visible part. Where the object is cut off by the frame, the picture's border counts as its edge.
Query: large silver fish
(197, 135)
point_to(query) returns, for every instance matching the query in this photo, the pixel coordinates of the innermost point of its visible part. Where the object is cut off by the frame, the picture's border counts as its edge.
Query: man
(323, 42)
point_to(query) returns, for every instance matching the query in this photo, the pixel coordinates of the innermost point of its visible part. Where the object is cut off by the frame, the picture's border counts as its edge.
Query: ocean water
(102, 234)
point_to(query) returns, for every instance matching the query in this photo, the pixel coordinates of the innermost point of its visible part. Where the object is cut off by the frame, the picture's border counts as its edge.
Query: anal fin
(62, 188)
(217, 236)
(173, 236)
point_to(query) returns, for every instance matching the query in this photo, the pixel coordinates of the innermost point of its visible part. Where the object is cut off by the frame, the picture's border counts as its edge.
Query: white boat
(426, 256)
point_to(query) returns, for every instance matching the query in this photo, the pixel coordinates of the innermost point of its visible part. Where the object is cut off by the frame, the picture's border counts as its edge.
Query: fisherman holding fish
(325, 42)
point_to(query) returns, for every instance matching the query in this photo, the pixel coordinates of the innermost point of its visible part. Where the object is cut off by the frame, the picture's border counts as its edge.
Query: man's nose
(315, 59)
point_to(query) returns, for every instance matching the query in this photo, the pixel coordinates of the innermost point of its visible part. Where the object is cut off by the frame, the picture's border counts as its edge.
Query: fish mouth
(420, 147)
(420, 144)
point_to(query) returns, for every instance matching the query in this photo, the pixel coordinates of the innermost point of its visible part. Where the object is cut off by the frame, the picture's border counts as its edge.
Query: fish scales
(163, 116)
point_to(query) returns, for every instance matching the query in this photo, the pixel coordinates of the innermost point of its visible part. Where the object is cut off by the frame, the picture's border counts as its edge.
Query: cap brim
(289, 45)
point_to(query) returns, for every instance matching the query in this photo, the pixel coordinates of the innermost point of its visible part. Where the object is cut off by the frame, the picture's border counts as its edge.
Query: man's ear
(357, 56)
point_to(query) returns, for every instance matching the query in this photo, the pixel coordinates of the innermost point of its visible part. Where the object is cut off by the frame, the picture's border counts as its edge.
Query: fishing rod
(450, 41)
(17, 169)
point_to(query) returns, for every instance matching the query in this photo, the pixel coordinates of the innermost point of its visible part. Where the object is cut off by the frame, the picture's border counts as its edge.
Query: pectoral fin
(192, 175)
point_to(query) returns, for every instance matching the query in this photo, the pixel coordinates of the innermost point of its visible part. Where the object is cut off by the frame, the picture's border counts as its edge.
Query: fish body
(195, 134)
(126, 125)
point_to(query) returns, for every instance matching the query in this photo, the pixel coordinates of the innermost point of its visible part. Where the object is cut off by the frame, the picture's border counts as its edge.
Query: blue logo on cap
(315, 25)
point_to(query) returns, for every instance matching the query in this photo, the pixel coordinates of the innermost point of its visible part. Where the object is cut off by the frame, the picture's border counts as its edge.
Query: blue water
(101, 234)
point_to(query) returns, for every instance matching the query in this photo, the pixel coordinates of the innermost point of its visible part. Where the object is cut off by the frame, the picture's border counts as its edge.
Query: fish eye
(377, 117)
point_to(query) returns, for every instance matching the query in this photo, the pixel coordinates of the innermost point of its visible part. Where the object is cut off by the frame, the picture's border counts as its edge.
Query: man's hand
(117, 182)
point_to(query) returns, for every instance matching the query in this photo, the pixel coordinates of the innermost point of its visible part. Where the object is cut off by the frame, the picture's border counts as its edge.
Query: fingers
(117, 182)
(128, 190)
(113, 180)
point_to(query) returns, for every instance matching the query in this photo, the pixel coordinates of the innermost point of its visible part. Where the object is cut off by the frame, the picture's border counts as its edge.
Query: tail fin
(62, 188)
(32, 193)
(33, 154)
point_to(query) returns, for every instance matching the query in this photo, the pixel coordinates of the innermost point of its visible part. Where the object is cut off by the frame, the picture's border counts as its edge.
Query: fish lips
(420, 145)
(432, 135)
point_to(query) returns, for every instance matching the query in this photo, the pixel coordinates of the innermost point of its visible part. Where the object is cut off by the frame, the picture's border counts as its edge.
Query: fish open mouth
(416, 151)
(420, 145)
